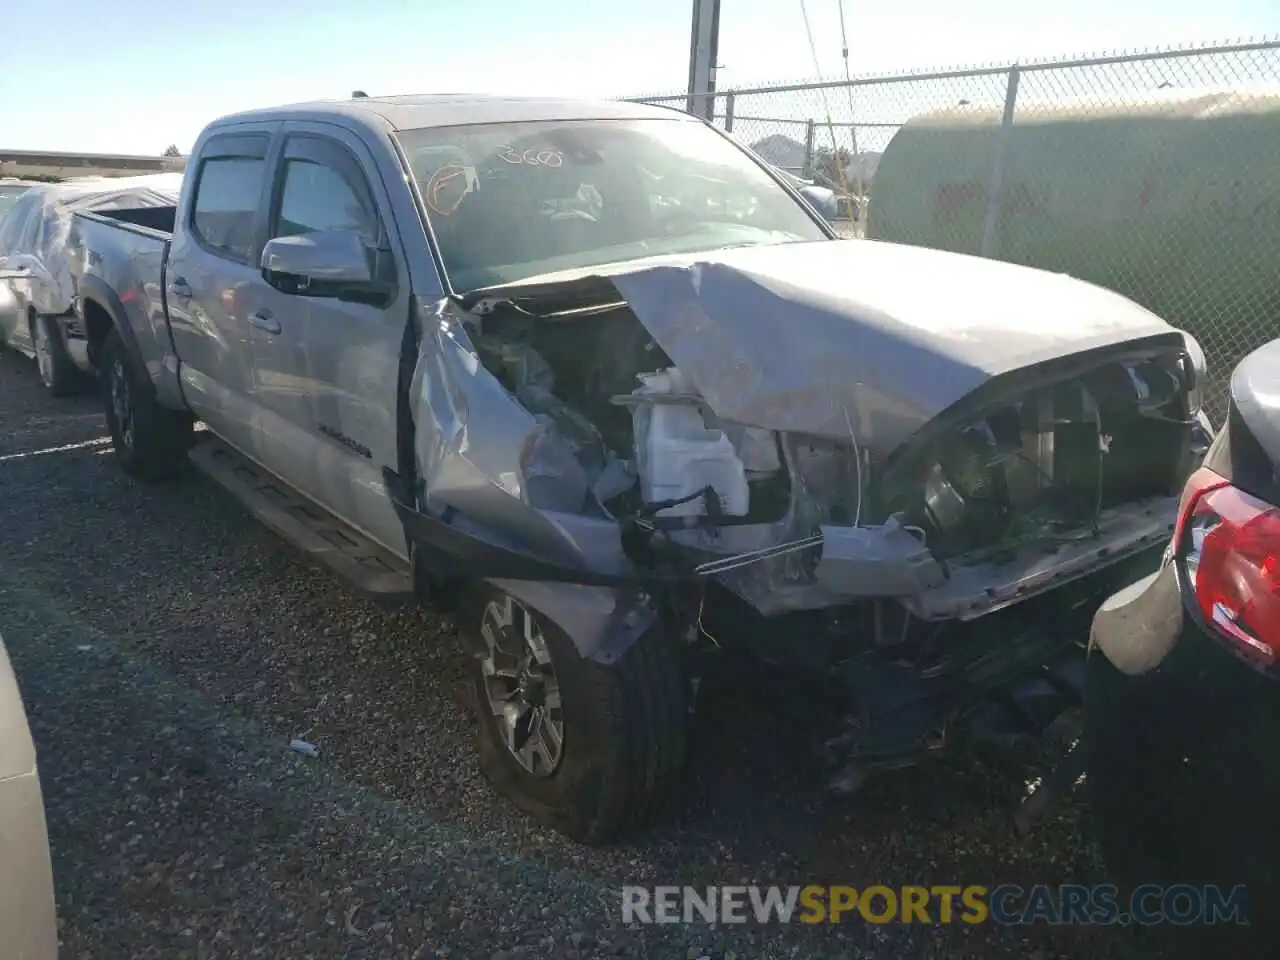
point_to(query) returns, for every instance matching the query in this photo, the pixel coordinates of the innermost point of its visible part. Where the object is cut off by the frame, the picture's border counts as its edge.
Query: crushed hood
(833, 336)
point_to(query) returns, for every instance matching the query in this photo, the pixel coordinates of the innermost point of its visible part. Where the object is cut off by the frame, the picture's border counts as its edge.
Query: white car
(28, 920)
(11, 188)
(8, 304)
(36, 314)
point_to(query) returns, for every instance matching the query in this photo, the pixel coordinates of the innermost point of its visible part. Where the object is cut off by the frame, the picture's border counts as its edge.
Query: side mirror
(326, 263)
(821, 199)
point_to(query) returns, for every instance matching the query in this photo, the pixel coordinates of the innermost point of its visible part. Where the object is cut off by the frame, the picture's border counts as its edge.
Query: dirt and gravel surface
(169, 649)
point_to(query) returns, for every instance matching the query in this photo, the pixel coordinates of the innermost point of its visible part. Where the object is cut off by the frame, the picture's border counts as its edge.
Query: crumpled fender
(462, 497)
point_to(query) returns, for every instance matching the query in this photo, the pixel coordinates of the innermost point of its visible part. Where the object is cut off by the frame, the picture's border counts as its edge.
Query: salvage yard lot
(168, 649)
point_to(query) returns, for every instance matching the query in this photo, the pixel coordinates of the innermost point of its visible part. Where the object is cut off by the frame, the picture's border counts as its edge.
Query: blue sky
(136, 75)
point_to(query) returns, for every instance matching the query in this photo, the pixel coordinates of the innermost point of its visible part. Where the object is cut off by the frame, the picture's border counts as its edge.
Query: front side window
(318, 197)
(9, 196)
(511, 201)
(227, 196)
(17, 222)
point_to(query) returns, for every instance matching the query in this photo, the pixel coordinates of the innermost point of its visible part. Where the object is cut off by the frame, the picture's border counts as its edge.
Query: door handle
(265, 322)
(181, 289)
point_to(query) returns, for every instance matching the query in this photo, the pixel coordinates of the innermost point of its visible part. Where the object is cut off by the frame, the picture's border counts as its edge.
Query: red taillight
(1229, 543)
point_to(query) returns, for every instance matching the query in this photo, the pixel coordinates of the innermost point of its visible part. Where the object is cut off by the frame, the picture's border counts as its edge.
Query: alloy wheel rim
(521, 686)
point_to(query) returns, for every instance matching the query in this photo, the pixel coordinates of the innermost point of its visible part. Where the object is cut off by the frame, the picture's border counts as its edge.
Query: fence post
(995, 188)
(808, 150)
(728, 112)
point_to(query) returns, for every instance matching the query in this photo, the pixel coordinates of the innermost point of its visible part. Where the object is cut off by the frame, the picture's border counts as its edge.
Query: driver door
(327, 368)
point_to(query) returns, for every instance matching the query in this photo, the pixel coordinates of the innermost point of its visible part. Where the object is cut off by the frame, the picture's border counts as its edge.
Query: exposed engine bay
(644, 437)
(1038, 470)
(681, 437)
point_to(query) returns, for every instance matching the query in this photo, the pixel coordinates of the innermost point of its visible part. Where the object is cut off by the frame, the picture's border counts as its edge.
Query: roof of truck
(452, 109)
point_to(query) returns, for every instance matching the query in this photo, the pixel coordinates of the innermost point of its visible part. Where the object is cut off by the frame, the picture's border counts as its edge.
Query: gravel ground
(169, 648)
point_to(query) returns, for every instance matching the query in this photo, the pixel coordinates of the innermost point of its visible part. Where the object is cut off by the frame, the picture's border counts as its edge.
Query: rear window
(513, 200)
(228, 193)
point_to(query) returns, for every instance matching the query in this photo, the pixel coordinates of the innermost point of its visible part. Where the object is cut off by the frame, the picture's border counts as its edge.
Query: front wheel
(150, 441)
(589, 749)
(58, 374)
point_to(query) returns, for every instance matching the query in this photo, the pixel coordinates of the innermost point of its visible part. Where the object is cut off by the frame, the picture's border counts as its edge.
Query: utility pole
(704, 46)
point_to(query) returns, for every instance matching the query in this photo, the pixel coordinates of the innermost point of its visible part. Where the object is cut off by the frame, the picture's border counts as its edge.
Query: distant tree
(834, 166)
(171, 151)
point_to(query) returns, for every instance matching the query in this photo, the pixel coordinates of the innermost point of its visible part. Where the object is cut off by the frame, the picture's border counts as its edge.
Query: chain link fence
(1154, 174)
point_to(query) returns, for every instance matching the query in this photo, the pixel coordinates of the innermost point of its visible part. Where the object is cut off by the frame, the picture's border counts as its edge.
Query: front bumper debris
(1002, 678)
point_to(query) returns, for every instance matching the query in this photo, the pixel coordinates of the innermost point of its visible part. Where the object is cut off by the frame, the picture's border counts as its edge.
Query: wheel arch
(102, 311)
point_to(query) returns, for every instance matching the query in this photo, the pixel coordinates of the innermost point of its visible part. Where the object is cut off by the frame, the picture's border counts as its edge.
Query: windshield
(9, 194)
(511, 201)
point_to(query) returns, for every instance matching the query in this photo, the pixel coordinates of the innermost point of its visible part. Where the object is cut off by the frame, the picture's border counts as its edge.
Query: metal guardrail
(838, 130)
(47, 163)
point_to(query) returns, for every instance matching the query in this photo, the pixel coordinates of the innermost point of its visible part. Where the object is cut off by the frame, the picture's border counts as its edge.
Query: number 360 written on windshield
(532, 158)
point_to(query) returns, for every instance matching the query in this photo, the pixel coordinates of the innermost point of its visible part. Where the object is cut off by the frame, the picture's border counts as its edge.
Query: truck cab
(301, 379)
(305, 385)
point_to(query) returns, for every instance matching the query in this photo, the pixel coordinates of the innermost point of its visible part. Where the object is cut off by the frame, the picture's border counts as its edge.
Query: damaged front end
(926, 517)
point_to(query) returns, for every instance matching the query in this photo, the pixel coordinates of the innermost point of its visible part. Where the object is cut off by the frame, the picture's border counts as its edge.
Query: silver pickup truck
(596, 380)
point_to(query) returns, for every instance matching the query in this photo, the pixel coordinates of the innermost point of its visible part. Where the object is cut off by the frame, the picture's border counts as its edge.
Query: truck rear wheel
(150, 441)
(592, 750)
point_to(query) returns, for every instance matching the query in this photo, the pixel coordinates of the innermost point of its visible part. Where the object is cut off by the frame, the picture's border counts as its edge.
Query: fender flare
(1137, 628)
(92, 288)
(602, 622)
(603, 614)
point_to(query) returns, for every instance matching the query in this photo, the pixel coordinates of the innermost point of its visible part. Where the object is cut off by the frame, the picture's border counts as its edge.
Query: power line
(844, 53)
(844, 39)
(826, 106)
(813, 49)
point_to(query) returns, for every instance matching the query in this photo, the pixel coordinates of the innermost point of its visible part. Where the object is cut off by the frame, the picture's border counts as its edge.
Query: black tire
(150, 441)
(1130, 818)
(624, 731)
(58, 374)
(1151, 822)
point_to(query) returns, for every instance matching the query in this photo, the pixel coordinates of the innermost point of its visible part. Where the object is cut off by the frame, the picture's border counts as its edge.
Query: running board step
(353, 556)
